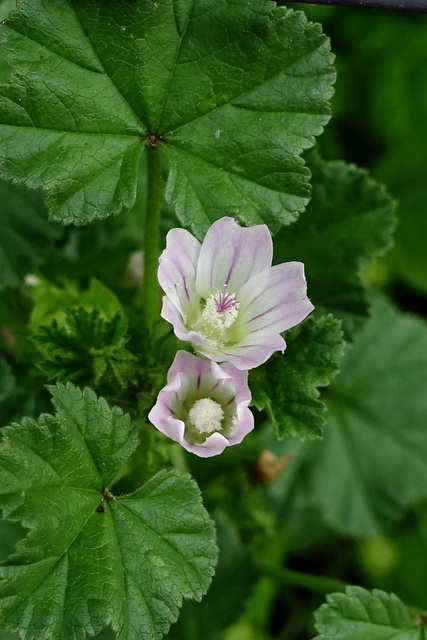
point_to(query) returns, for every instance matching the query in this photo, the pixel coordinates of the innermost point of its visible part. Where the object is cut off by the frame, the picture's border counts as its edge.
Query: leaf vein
(103, 67)
(247, 91)
(177, 52)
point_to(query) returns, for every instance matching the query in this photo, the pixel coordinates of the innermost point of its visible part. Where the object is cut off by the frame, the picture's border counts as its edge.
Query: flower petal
(274, 300)
(212, 446)
(177, 268)
(253, 350)
(230, 255)
(197, 378)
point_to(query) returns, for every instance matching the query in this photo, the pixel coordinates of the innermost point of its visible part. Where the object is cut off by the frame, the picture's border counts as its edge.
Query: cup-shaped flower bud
(204, 405)
(224, 296)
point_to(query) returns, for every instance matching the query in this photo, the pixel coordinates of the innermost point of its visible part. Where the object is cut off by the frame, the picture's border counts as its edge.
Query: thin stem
(307, 580)
(417, 6)
(151, 236)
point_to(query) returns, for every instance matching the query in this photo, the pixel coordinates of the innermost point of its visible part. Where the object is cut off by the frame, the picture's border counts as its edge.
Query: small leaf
(361, 615)
(91, 560)
(87, 349)
(348, 222)
(50, 301)
(287, 385)
(233, 92)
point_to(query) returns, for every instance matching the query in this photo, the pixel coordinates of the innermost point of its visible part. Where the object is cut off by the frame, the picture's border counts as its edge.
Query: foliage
(80, 579)
(349, 222)
(26, 238)
(278, 80)
(358, 615)
(287, 388)
(371, 434)
(138, 117)
(87, 349)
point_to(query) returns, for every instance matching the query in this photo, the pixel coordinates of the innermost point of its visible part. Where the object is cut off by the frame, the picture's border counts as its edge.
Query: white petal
(230, 255)
(254, 350)
(212, 446)
(177, 268)
(274, 300)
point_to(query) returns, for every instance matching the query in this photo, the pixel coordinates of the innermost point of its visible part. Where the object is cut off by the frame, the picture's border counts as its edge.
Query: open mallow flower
(204, 405)
(224, 296)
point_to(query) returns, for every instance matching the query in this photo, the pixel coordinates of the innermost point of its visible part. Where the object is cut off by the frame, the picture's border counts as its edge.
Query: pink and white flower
(204, 405)
(224, 296)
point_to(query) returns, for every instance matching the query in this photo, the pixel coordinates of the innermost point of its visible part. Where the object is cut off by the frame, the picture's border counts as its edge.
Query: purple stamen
(224, 301)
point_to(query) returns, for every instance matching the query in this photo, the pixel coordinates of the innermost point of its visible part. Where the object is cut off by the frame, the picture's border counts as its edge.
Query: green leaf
(87, 349)
(407, 259)
(287, 385)
(233, 91)
(361, 615)
(90, 559)
(6, 7)
(375, 432)
(348, 222)
(232, 584)
(27, 237)
(50, 301)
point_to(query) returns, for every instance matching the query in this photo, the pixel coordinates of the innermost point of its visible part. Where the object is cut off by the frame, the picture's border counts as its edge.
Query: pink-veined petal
(212, 446)
(177, 268)
(274, 300)
(253, 350)
(230, 255)
(170, 313)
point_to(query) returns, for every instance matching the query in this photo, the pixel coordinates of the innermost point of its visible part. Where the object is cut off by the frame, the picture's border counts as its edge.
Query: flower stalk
(151, 236)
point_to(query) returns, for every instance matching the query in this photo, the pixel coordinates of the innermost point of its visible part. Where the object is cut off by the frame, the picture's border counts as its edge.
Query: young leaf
(348, 222)
(26, 237)
(91, 559)
(375, 432)
(232, 91)
(361, 615)
(87, 349)
(287, 385)
(50, 301)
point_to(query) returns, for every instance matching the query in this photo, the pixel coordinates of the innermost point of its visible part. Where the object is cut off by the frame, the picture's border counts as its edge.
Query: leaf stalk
(298, 579)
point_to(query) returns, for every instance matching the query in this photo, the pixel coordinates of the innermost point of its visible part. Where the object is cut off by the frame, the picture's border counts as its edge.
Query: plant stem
(418, 6)
(151, 236)
(307, 580)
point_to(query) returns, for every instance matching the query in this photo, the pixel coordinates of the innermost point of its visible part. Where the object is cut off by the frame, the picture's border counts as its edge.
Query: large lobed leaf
(90, 559)
(348, 222)
(233, 91)
(375, 432)
(361, 615)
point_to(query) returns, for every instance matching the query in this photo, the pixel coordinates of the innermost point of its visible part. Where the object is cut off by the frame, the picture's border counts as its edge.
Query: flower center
(221, 309)
(206, 415)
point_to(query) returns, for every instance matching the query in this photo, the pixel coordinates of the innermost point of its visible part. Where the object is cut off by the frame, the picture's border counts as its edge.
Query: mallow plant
(196, 385)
